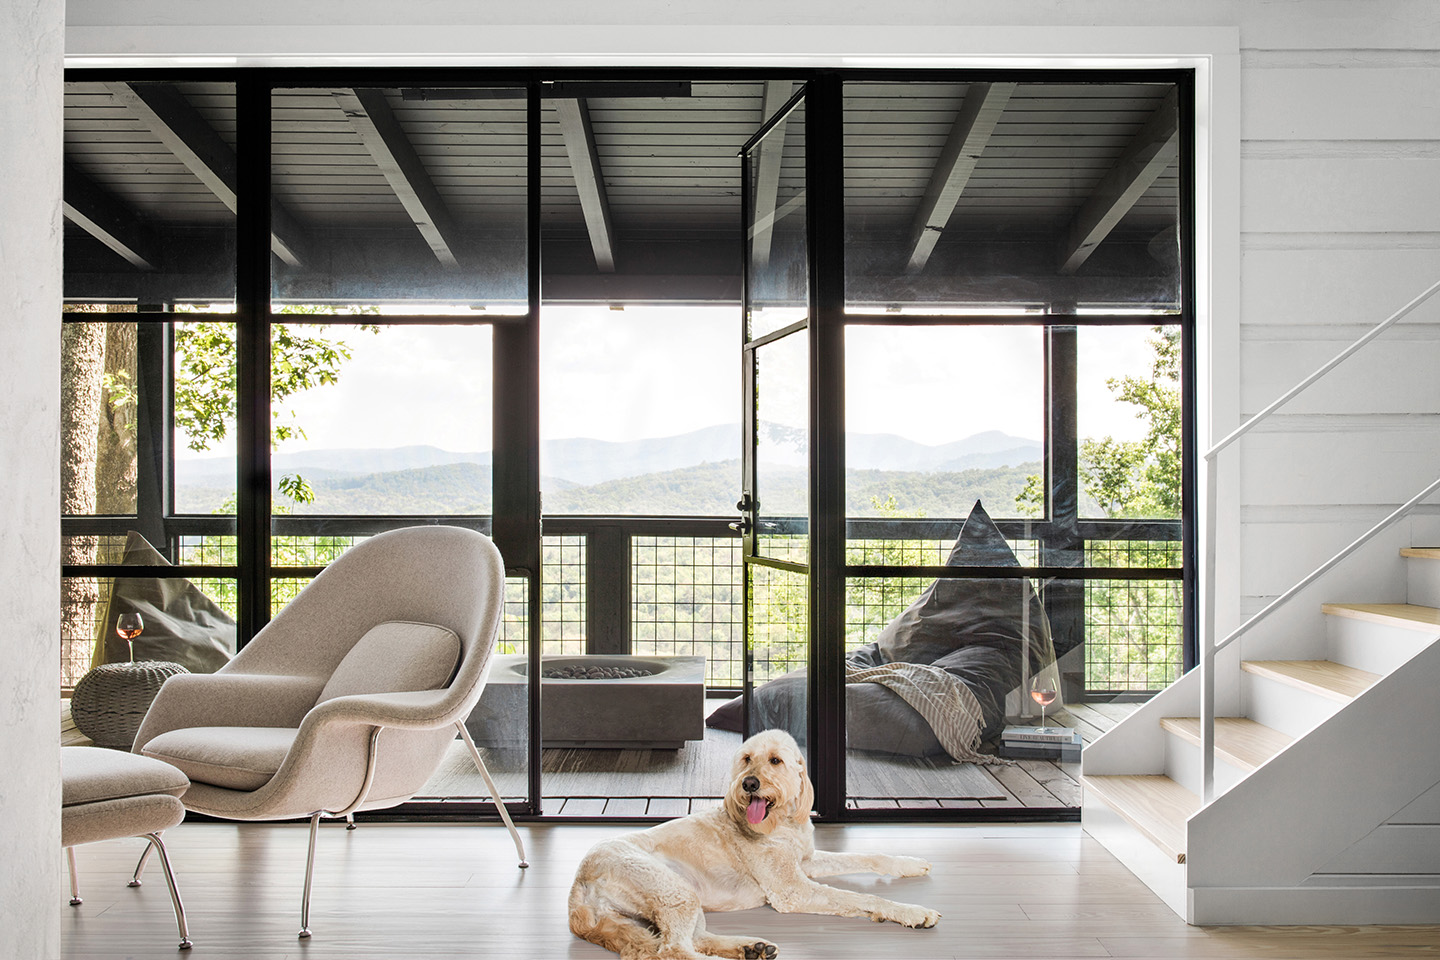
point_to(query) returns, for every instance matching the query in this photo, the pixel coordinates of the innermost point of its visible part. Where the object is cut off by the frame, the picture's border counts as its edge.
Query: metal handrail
(1208, 646)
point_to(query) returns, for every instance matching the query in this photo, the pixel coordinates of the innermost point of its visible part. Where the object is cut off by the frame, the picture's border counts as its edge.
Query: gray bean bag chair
(977, 630)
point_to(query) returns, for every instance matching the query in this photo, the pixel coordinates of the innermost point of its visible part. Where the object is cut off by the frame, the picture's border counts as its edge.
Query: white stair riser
(1158, 872)
(1422, 579)
(1281, 706)
(1376, 647)
(1185, 766)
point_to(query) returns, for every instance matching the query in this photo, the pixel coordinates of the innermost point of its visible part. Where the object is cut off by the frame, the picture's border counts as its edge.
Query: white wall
(30, 101)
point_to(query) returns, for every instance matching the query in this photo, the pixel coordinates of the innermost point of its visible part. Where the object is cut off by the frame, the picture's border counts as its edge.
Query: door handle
(741, 526)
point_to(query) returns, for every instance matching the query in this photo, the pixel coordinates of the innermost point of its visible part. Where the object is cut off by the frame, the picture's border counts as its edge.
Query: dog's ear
(805, 802)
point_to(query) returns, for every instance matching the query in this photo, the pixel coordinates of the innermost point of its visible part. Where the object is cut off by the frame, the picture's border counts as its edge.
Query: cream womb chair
(350, 697)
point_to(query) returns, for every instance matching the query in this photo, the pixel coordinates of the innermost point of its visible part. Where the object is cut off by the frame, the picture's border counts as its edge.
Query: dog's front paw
(761, 950)
(908, 867)
(913, 916)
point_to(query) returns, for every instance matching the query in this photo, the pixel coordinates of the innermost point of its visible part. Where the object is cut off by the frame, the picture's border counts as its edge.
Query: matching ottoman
(107, 795)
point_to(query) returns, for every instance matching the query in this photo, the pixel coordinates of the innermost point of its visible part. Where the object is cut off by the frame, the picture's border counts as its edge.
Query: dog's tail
(593, 918)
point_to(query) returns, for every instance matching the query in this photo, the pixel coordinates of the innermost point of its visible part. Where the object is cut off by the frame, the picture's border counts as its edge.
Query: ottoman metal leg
(75, 900)
(140, 866)
(159, 846)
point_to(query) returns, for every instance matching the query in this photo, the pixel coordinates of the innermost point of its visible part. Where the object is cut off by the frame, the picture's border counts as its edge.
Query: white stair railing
(1208, 645)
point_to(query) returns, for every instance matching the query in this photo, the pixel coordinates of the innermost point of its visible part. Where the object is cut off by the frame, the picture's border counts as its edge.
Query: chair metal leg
(159, 846)
(140, 867)
(494, 793)
(349, 821)
(75, 900)
(309, 877)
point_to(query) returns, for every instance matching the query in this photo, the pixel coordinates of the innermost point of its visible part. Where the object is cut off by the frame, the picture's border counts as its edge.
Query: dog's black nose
(750, 784)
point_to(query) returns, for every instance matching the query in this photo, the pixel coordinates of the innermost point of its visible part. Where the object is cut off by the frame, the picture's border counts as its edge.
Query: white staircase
(1326, 804)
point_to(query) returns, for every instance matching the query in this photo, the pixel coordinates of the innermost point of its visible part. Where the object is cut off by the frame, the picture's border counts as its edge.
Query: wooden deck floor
(633, 784)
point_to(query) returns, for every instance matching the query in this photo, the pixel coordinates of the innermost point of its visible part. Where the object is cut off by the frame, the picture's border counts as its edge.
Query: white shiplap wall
(1340, 227)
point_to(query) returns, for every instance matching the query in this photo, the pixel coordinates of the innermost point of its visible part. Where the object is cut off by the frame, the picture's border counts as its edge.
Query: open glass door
(775, 437)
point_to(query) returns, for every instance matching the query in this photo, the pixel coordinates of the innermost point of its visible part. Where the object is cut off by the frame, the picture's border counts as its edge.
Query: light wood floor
(450, 891)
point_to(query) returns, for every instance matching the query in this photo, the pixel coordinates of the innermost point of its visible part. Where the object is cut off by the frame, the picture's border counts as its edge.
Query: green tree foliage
(206, 377)
(1132, 478)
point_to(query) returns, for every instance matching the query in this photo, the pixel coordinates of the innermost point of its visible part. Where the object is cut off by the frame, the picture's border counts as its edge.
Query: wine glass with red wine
(1043, 692)
(129, 626)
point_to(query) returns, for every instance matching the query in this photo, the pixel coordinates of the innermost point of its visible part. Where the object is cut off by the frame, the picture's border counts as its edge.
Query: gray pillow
(396, 657)
(182, 624)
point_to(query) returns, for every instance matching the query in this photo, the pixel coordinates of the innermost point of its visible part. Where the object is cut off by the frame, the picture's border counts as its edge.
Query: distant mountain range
(697, 472)
(584, 461)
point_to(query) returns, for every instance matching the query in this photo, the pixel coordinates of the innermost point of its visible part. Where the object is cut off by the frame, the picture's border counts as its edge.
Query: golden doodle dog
(644, 895)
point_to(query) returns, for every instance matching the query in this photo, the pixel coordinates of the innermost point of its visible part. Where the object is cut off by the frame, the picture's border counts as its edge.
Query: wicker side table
(110, 701)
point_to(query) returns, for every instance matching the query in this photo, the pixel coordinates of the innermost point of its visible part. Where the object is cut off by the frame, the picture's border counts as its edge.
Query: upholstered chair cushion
(396, 657)
(94, 775)
(237, 758)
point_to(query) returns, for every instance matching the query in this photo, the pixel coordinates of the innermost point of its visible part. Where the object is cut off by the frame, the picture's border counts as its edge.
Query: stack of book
(1040, 743)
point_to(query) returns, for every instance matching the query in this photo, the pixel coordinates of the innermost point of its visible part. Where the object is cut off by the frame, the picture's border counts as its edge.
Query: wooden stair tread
(1155, 805)
(1325, 678)
(1238, 740)
(1409, 616)
(1424, 553)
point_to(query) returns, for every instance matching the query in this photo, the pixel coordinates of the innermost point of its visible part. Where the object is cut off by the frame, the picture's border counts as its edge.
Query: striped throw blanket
(946, 704)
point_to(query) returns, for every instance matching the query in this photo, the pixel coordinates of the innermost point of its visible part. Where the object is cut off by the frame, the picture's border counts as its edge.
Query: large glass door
(774, 506)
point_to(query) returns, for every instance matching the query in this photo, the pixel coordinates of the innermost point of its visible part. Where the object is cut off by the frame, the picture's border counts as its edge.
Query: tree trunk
(82, 365)
(115, 461)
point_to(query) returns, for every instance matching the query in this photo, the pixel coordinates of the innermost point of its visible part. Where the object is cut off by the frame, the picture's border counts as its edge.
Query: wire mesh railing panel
(779, 622)
(1134, 638)
(515, 620)
(562, 595)
(686, 599)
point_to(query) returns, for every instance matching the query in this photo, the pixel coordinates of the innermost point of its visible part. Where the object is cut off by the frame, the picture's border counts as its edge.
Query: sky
(651, 371)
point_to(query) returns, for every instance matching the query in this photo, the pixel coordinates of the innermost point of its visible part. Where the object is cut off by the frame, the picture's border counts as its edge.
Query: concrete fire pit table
(659, 710)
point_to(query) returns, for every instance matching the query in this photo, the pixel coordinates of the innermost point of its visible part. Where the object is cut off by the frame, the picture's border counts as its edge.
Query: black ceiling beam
(186, 134)
(575, 128)
(94, 210)
(981, 110)
(1153, 149)
(771, 152)
(371, 118)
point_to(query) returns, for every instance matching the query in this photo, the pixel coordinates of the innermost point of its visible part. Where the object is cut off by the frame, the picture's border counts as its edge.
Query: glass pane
(779, 641)
(637, 410)
(1000, 196)
(381, 419)
(562, 595)
(775, 236)
(938, 418)
(409, 200)
(500, 723)
(782, 448)
(203, 417)
(1128, 410)
(185, 621)
(686, 600)
(150, 192)
(100, 405)
(924, 745)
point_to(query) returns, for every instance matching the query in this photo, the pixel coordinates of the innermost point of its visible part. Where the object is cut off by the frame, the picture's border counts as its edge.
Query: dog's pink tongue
(756, 811)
